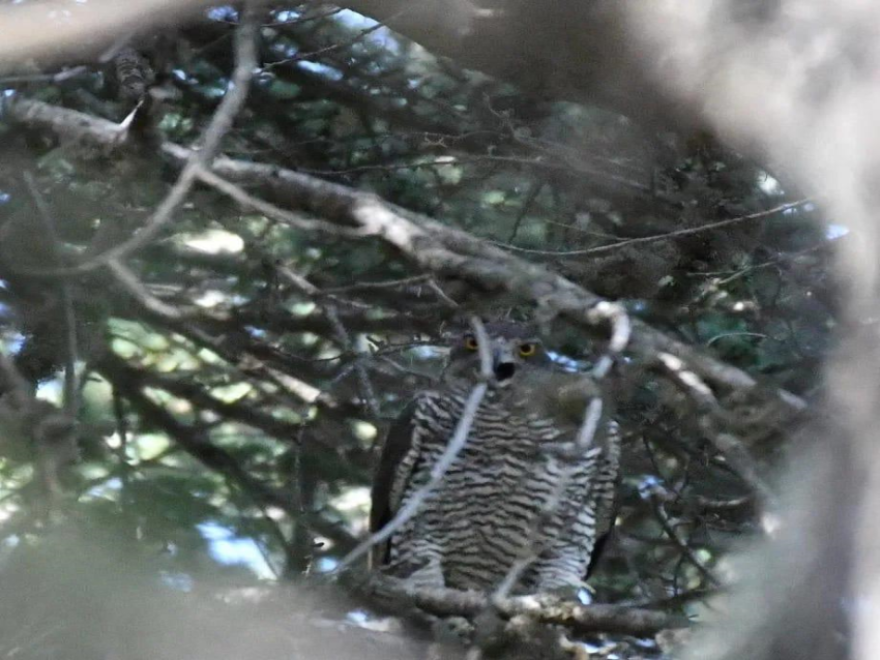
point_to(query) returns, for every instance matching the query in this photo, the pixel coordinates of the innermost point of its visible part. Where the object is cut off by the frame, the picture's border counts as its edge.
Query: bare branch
(71, 404)
(647, 240)
(270, 210)
(221, 122)
(342, 336)
(129, 281)
(441, 250)
(447, 458)
(543, 608)
(686, 550)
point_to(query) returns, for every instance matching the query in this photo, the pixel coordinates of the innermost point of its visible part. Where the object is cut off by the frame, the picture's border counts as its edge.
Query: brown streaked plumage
(479, 520)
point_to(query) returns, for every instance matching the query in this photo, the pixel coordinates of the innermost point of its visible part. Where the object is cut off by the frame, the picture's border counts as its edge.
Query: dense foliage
(216, 402)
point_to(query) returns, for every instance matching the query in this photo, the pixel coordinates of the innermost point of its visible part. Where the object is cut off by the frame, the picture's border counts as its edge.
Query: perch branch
(544, 608)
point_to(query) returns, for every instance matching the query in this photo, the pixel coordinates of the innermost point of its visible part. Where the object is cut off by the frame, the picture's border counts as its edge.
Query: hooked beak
(503, 364)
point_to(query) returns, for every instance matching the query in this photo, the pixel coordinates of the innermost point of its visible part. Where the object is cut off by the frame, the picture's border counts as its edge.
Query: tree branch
(544, 608)
(442, 250)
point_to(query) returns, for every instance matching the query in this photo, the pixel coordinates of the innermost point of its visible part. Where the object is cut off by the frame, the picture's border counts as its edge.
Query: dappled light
(236, 241)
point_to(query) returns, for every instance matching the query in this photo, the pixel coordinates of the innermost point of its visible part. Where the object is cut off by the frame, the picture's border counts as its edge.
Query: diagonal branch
(198, 159)
(441, 250)
(447, 458)
(194, 442)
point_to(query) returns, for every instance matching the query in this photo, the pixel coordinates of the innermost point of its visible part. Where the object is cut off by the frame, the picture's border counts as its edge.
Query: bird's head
(513, 347)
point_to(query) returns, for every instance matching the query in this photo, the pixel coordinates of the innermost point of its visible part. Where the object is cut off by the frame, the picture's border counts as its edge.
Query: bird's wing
(388, 482)
(608, 482)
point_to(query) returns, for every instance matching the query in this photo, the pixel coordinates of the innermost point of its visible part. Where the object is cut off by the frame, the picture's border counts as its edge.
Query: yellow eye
(527, 350)
(470, 343)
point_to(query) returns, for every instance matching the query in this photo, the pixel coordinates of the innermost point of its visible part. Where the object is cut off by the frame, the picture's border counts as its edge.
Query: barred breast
(500, 490)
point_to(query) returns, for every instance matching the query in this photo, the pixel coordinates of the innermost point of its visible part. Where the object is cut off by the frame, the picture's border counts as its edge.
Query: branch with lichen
(542, 608)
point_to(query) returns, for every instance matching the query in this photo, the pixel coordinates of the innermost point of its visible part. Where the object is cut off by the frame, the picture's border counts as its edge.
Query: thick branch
(436, 248)
(544, 608)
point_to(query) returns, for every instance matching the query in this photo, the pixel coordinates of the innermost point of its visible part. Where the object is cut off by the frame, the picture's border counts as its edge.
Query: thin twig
(621, 329)
(136, 289)
(531, 196)
(53, 78)
(342, 336)
(71, 398)
(338, 46)
(447, 458)
(201, 158)
(385, 284)
(666, 524)
(645, 240)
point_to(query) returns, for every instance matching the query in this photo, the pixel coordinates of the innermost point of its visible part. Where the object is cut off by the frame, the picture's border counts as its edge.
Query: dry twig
(447, 458)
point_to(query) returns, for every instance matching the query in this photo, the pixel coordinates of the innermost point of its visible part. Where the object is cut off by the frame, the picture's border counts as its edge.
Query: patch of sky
(8, 93)
(592, 648)
(105, 488)
(224, 13)
(428, 352)
(322, 70)
(326, 564)
(287, 15)
(566, 362)
(637, 306)
(354, 20)
(213, 241)
(769, 185)
(381, 37)
(4, 197)
(352, 499)
(357, 616)
(648, 484)
(13, 342)
(180, 74)
(50, 391)
(835, 231)
(284, 50)
(177, 581)
(228, 549)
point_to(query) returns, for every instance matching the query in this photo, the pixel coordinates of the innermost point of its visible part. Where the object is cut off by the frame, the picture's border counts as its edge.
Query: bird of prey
(515, 492)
